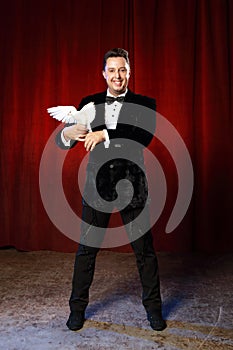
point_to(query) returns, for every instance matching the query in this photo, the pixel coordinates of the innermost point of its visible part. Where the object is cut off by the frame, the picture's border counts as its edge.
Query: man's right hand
(73, 132)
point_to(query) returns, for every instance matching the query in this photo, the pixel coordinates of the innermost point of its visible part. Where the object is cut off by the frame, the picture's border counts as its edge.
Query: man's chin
(119, 90)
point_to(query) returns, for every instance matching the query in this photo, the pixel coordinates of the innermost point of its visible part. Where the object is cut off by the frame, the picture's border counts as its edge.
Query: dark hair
(116, 52)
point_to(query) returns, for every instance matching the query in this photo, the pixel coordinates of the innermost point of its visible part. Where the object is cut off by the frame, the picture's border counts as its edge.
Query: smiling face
(116, 74)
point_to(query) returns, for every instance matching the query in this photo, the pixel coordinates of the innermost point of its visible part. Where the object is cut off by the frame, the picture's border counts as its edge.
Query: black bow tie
(110, 99)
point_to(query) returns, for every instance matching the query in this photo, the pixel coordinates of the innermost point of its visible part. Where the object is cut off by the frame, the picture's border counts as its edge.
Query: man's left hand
(93, 138)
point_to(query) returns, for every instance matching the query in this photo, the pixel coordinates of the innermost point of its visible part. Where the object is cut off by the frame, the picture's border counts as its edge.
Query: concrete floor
(35, 287)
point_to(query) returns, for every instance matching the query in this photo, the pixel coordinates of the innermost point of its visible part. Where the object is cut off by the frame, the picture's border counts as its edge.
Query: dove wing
(62, 113)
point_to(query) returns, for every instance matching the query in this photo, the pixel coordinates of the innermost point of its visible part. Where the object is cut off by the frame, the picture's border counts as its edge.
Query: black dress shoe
(156, 321)
(75, 320)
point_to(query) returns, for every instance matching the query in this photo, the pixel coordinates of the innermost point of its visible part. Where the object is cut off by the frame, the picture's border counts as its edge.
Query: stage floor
(35, 287)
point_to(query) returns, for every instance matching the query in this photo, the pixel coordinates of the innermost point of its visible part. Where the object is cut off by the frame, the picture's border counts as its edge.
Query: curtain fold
(181, 54)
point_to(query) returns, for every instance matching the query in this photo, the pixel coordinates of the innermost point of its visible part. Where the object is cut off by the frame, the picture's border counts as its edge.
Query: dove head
(86, 115)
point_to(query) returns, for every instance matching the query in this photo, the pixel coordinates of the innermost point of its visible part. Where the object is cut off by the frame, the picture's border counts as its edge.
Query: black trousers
(84, 266)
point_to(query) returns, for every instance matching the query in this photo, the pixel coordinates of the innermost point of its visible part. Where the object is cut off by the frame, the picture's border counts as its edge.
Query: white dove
(69, 114)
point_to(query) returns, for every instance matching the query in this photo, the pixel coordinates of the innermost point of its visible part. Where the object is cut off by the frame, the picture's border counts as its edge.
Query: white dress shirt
(112, 112)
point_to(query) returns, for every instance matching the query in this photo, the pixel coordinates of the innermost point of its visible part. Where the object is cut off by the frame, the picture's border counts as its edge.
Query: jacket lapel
(125, 110)
(100, 110)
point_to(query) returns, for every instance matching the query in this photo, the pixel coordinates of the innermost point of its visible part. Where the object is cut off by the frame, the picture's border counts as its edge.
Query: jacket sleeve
(60, 143)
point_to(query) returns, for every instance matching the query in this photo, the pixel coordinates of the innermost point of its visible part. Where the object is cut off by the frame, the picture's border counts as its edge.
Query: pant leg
(85, 258)
(147, 262)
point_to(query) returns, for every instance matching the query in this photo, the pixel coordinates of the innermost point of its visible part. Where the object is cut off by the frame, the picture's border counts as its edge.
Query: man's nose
(117, 74)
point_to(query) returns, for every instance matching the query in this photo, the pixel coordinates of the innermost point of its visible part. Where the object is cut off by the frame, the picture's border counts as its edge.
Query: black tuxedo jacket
(124, 157)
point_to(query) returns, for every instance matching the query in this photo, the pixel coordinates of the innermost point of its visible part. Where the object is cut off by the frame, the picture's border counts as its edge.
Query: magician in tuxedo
(123, 126)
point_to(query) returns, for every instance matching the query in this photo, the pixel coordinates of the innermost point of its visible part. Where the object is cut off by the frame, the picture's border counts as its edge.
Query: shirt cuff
(66, 143)
(107, 141)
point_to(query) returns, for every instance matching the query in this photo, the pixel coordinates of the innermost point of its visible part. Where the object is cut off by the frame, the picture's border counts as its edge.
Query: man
(119, 132)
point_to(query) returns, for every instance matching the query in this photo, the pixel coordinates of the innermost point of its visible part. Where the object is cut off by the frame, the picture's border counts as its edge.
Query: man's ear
(104, 74)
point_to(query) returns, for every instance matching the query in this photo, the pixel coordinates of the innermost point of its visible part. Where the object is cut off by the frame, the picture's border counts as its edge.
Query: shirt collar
(109, 94)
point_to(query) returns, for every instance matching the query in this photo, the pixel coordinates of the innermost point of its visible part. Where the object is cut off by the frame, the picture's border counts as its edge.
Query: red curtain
(181, 54)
